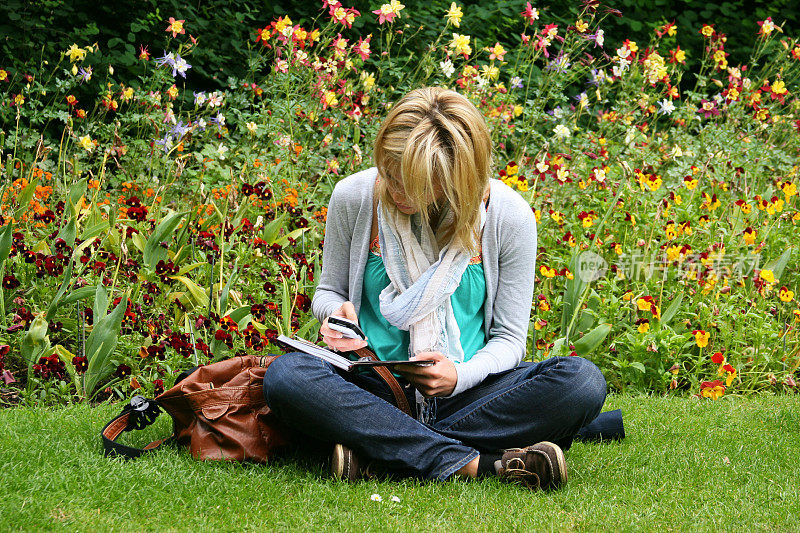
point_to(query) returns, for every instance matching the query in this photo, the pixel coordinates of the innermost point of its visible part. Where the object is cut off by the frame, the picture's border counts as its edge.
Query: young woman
(435, 260)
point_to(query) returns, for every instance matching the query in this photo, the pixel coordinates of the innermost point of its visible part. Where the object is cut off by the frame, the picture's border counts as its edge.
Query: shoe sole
(562, 462)
(337, 462)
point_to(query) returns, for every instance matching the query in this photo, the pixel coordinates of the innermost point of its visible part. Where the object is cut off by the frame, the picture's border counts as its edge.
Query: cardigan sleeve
(511, 312)
(332, 290)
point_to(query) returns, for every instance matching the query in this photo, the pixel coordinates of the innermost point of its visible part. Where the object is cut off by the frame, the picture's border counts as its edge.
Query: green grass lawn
(686, 464)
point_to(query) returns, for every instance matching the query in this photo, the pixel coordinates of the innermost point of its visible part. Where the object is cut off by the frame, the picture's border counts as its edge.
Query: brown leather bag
(218, 412)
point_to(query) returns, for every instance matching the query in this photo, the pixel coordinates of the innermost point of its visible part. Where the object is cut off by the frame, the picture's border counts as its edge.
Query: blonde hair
(435, 141)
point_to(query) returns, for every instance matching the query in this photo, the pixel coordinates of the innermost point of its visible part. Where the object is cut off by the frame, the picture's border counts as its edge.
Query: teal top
(391, 343)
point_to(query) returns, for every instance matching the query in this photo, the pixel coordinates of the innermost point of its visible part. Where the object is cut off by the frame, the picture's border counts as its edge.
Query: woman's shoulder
(357, 187)
(507, 206)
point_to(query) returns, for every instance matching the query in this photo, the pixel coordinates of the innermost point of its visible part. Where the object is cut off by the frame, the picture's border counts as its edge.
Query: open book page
(301, 345)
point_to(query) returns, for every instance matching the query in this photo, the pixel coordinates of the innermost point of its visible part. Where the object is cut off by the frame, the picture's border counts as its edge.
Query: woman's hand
(334, 338)
(437, 380)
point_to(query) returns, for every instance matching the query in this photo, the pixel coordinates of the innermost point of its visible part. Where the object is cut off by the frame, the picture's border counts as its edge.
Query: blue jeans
(549, 400)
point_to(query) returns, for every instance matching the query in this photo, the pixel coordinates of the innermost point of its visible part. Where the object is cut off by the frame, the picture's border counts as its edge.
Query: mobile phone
(348, 328)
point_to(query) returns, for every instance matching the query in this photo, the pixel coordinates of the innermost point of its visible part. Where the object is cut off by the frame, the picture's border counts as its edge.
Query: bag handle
(397, 391)
(138, 414)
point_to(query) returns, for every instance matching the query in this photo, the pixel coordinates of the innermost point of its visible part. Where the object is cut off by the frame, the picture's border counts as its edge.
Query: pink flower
(362, 47)
(530, 14)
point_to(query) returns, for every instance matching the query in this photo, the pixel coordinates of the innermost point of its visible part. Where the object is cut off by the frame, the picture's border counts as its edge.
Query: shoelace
(515, 471)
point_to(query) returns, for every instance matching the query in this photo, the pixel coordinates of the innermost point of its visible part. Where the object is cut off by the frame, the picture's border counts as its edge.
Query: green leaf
(95, 230)
(153, 252)
(24, 198)
(138, 241)
(79, 294)
(69, 231)
(672, 309)
(66, 357)
(100, 307)
(189, 268)
(638, 366)
(309, 330)
(101, 344)
(5, 242)
(54, 304)
(223, 299)
(589, 342)
(239, 313)
(779, 264)
(197, 293)
(35, 341)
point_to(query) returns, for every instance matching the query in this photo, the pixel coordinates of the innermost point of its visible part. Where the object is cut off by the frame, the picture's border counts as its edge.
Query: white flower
(447, 67)
(600, 37)
(482, 82)
(214, 99)
(561, 131)
(667, 107)
(221, 150)
(376, 498)
(623, 52)
(259, 221)
(252, 127)
(395, 499)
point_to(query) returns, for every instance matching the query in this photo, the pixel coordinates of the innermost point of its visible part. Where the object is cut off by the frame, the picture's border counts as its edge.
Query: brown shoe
(541, 466)
(347, 466)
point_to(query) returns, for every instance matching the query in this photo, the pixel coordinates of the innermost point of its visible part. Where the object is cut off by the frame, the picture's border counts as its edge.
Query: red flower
(718, 358)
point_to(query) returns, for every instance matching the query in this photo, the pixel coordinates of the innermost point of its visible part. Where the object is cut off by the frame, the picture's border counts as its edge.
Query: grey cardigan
(509, 261)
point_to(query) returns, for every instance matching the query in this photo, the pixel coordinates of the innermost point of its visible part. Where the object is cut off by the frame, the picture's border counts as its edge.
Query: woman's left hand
(436, 380)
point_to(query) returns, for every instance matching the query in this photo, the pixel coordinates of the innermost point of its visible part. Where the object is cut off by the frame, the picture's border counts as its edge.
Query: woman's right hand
(334, 338)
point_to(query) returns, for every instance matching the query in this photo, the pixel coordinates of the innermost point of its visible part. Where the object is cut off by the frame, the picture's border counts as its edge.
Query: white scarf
(423, 278)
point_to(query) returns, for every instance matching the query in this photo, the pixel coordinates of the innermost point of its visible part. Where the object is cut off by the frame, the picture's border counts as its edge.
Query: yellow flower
(789, 190)
(785, 294)
(460, 44)
(778, 87)
(701, 337)
(581, 26)
(643, 304)
(329, 98)
(714, 392)
(19, 99)
(367, 80)
(707, 30)
(490, 72)
(767, 275)
(86, 143)
(127, 94)
(644, 327)
(690, 183)
(454, 15)
(75, 53)
(547, 272)
(749, 236)
(731, 376)
(282, 23)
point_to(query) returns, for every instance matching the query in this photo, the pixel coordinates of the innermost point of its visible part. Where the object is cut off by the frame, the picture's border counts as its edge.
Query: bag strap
(138, 414)
(397, 391)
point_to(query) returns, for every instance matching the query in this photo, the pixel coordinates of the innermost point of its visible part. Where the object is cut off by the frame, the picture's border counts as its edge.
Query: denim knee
(285, 376)
(587, 384)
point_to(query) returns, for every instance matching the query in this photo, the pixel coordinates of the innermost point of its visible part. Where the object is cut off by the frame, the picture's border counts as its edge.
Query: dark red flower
(123, 371)
(80, 363)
